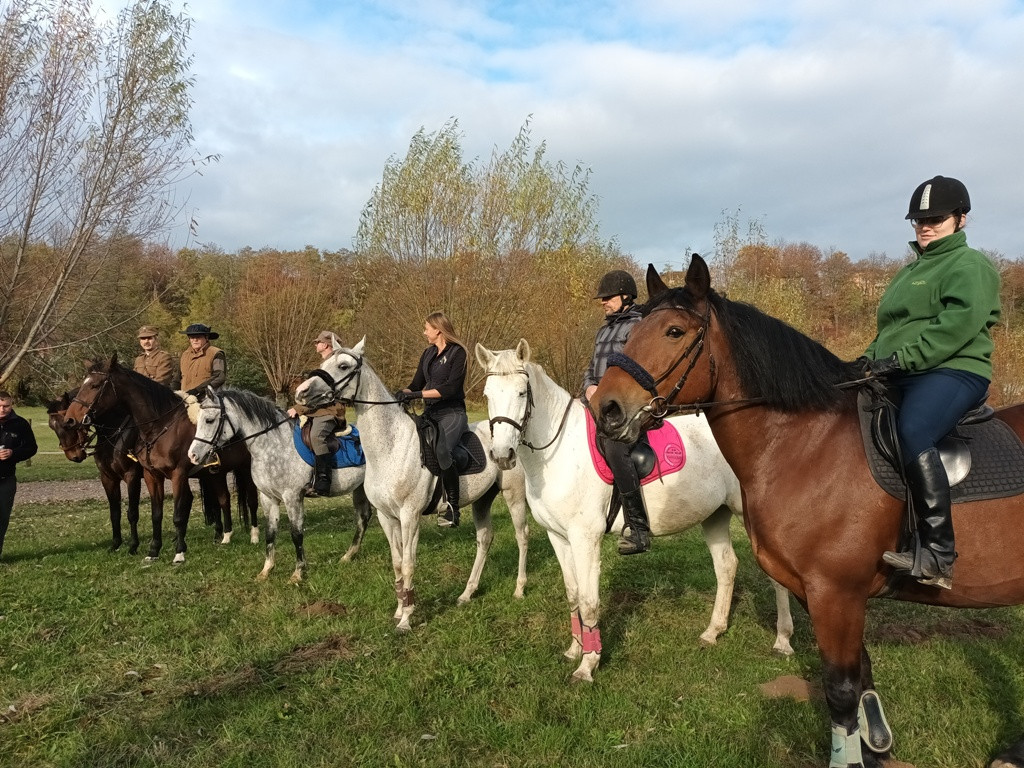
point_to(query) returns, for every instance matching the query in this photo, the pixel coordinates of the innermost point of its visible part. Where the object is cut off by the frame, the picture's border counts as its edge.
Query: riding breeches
(932, 404)
(452, 422)
(620, 463)
(320, 430)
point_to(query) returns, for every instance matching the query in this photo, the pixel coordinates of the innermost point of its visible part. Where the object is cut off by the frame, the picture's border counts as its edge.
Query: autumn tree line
(95, 141)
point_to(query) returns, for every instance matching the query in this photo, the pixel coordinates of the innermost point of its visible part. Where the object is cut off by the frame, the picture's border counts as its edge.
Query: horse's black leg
(874, 728)
(133, 479)
(363, 511)
(182, 510)
(300, 551)
(156, 506)
(837, 616)
(112, 489)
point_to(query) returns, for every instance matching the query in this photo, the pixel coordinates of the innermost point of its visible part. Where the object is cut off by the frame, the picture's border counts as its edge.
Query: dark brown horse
(111, 437)
(817, 520)
(165, 433)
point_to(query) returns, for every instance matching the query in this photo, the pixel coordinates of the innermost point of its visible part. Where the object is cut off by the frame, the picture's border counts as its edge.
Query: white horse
(280, 474)
(400, 488)
(535, 419)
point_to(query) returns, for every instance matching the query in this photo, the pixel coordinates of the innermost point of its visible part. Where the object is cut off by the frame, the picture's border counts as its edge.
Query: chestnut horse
(817, 520)
(110, 439)
(165, 433)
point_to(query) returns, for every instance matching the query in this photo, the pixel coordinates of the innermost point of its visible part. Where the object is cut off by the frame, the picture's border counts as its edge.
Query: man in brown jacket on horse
(325, 421)
(203, 365)
(156, 363)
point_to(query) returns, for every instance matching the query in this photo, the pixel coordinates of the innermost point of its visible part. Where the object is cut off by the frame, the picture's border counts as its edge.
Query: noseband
(89, 406)
(659, 406)
(337, 385)
(215, 441)
(521, 427)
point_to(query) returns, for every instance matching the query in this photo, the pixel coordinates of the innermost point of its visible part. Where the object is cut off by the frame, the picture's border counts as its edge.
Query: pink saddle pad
(665, 440)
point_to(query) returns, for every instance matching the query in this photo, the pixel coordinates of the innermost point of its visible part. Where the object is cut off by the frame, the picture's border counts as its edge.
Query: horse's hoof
(179, 558)
(254, 536)
(463, 599)
(783, 648)
(148, 561)
(519, 594)
(707, 640)
(581, 677)
(296, 578)
(226, 538)
(262, 576)
(403, 628)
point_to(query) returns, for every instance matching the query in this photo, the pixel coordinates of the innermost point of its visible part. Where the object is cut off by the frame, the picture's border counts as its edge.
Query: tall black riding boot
(321, 476)
(449, 518)
(929, 493)
(633, 510)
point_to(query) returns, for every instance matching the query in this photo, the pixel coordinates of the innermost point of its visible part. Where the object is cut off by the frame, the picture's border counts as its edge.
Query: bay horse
(165, 432)
(110, 438)
(280, 474)
(538, 423)
(399, 487)
(818, 521)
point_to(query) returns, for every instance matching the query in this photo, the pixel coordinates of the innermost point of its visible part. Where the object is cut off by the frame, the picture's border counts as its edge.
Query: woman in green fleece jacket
(934, 343)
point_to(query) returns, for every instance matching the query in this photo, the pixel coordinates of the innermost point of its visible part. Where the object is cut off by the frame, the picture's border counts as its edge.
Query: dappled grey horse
(280, 474)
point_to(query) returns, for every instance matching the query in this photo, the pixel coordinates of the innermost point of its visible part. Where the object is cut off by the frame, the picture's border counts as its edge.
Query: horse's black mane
(253, 406)
(162, 398)
(774, 361)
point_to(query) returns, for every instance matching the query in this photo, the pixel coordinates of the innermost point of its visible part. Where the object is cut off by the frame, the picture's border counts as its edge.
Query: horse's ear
(358, 348)
(523, 350)
(655, 285)
(484, 356)
(698, 278)
(113, 361)
(335, 344)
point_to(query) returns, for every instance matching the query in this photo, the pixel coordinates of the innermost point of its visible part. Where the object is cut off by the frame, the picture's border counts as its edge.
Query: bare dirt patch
(790, 686)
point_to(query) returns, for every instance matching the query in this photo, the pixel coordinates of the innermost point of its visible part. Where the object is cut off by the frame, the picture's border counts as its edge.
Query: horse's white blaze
(570, 500)
(398, 486)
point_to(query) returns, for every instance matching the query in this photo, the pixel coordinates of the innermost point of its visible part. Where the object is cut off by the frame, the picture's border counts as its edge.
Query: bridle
(86, 421)
(337, 385)
(521, 426)
(215, 442)
(660, 406)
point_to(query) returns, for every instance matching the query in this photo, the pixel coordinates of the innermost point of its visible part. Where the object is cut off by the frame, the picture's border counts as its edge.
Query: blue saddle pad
(349, 453)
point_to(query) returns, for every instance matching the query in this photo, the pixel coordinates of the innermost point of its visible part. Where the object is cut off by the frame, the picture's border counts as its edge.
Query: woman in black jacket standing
(440, 380)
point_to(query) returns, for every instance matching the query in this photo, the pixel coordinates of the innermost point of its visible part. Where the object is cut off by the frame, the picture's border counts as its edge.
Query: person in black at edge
(440, 380)
(617, 293)
(17, 443)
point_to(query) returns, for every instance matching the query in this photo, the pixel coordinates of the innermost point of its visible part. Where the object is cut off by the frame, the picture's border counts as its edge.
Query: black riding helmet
(938, 197)
(616, 283)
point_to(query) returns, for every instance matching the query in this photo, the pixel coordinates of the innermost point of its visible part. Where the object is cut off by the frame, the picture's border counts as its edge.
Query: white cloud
(820, 117)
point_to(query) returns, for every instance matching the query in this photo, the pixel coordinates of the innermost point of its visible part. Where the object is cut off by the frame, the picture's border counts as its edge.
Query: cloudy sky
(816, 117)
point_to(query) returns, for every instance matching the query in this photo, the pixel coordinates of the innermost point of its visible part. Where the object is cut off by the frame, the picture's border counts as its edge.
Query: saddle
(471, 458)
(659, 452)
(983, 457)
(345, 446)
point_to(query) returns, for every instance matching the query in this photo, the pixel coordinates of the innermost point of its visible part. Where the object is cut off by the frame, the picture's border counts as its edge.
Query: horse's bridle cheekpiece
(660, 407)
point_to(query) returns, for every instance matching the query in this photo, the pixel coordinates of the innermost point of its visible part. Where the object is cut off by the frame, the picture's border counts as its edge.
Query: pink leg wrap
(591, 640)
(577, 628)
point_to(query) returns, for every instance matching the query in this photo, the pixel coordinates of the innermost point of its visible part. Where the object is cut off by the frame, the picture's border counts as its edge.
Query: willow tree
(94, 135)
(492, 244)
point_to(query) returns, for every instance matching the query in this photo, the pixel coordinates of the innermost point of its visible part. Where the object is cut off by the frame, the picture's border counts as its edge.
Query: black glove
(884, 367)
(404, 397)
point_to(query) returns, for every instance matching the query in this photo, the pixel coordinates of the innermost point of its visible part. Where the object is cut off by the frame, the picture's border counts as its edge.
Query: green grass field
(104, 662)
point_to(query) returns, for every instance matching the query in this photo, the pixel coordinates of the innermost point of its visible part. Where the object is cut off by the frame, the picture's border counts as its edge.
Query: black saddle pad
(429, 434)
(997, 459)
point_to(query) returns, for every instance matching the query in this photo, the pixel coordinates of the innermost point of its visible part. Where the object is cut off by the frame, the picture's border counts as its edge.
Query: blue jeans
(933, 403)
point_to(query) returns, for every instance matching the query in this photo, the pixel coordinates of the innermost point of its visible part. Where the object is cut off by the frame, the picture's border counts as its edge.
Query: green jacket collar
(942, 246)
